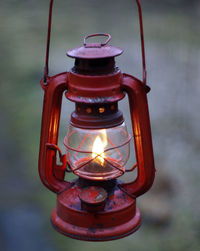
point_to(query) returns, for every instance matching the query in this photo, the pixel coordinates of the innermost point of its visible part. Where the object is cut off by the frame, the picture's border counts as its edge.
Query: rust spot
(91, 229)
(123, 196)
(108, 202)
(110, 207)
(100, 225)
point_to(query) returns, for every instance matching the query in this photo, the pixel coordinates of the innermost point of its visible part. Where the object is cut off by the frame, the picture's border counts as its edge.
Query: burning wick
(98, 148)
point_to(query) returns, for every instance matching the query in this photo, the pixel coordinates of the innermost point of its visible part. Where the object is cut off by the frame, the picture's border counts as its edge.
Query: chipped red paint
(93, 195)
(118, 219)
(80, 213)
(93, 198)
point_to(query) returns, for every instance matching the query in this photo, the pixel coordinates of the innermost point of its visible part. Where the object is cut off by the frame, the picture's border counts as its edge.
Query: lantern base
(90, 234)
(119, 218)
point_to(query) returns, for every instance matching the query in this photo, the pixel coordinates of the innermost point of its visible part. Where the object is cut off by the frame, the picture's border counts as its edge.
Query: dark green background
(171, 210)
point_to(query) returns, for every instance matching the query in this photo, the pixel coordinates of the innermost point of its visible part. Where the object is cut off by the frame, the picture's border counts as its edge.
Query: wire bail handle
(93, 45)
(46, 68)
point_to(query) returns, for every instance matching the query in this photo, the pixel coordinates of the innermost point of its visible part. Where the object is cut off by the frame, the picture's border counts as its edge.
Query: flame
(98, 147)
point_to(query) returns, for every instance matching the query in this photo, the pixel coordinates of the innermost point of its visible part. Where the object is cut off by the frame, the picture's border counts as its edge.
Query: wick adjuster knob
(93, 198)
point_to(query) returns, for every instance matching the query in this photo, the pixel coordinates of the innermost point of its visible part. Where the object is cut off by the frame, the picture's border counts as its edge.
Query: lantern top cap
(95, 50)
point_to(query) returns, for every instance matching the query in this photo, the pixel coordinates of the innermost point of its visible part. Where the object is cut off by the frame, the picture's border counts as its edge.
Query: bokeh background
(171, 210)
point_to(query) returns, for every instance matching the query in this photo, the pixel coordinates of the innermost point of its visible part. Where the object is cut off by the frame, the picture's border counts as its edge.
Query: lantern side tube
(137, 94)
(51, 174)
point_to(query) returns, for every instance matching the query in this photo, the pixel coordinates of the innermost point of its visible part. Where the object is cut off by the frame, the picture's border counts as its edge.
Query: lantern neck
(108, 185)
(100, 66)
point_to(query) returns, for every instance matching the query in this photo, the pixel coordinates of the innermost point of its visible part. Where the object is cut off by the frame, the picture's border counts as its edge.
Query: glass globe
(98, 154)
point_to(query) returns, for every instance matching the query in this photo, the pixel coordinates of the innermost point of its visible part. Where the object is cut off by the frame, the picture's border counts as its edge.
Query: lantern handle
(142, 42)
(139, 113)
(97, 44)
(51, 173)
(46, 68)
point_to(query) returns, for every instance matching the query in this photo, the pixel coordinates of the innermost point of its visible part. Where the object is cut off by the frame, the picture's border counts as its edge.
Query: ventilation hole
(101, 110)
(88, 110)
(112, 107)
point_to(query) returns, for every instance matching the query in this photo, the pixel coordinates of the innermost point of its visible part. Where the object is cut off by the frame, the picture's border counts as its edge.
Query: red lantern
(97, 206)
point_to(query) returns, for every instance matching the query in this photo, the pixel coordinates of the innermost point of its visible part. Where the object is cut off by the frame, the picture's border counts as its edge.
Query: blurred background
(171, 209)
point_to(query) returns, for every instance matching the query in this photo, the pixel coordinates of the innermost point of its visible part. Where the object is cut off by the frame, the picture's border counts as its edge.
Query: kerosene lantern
(96, 206)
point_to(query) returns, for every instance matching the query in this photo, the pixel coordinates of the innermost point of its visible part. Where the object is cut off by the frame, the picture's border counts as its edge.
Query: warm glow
(104, 136)
(98, 147)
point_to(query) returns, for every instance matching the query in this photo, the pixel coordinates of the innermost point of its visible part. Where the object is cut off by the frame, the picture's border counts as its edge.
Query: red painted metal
(137, 93)
(94, 89)
(119, 218)
(142, 41)
(93, 198)
(76, 215)
(93, 119)
(51, 174)
(93, 195)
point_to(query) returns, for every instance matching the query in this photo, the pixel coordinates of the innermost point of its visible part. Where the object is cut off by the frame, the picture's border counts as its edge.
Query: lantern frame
(72, 216)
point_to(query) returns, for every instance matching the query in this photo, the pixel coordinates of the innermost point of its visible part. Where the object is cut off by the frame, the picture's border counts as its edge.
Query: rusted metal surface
(93, 198)
(93, 195)
(119, 217)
